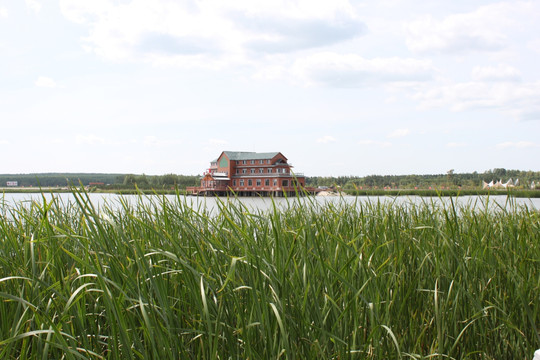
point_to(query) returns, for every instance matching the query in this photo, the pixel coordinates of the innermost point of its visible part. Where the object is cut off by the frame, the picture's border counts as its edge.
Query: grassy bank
(32, 190)
(137, 191)
(119, 191)
(445, 193)
(354, 192)
(370, 281)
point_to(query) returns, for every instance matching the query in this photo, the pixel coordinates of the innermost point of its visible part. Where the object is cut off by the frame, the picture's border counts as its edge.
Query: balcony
(265, 165)
(267, 175)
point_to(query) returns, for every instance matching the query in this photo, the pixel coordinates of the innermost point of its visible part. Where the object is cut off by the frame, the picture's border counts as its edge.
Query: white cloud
(534, 45)
(486, 29)
(496, 73)
(520, 100)
(350, 70)
(217, 142)
(137, 29)
(511, 26)
(518, 145)
(456, 145)
(4, 142)
(150, 141)
(33, 5)
(46, 82)
(89, 139)
(55, 141)
(399, 133)
(326, 139)
(213, 33)
(153, 141)
(213, 146)
(3, 12)
(278, 33)
(382, 144)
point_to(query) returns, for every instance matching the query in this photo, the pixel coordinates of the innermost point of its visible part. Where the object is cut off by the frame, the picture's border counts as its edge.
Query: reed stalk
(158, 278)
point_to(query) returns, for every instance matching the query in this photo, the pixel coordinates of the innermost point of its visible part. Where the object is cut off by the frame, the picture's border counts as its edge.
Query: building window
(261, 171)
(267, 182)
(237, 171)
(250, 182)
(244, 162)
(269, 171)
(268, 161)
(241, 182)
(261, 162)
(275, 182)
(252, 171)
(258, 182)
(253, 161)
(243, 171)
(285, 183)
(234, 182)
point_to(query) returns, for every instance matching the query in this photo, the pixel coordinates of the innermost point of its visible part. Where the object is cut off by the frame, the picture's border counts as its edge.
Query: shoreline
(521, 193)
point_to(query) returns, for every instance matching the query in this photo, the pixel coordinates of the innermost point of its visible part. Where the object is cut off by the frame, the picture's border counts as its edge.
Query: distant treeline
(160, 181)
(113, 181)
(450, 180)
(169, 181)
(59, 180)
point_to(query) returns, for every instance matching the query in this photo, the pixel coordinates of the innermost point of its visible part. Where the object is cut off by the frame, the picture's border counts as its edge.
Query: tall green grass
(157, 279)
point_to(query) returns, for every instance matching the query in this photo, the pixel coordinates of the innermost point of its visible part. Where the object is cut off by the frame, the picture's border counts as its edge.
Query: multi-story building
(250, 173)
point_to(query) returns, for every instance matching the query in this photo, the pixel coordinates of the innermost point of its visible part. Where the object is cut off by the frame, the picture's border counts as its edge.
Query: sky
(341, 87)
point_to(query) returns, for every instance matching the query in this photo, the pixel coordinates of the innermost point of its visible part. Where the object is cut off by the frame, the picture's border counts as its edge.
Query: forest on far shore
(449, 180)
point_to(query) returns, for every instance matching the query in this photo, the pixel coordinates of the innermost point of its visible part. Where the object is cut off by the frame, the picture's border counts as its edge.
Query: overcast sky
(340, 87)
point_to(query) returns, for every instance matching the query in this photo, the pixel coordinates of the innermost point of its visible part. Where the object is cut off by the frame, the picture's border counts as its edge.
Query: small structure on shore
(499, 184)
(328, 193)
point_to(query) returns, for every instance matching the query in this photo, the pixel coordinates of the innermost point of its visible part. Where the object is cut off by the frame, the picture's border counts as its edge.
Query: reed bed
(157, 279)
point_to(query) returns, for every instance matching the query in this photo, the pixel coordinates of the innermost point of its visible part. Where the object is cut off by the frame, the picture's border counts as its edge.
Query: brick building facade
(250, 173)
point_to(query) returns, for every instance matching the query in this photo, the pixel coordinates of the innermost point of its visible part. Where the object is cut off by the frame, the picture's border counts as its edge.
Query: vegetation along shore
(157, 278)
(449, 184)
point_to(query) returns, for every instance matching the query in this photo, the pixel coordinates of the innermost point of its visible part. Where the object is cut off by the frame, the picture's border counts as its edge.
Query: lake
(256, 203)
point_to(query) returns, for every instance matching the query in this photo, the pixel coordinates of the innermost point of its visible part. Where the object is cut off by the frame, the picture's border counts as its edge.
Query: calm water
(254, 203)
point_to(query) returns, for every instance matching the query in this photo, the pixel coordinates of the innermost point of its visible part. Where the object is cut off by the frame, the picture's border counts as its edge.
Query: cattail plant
(159, 278)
